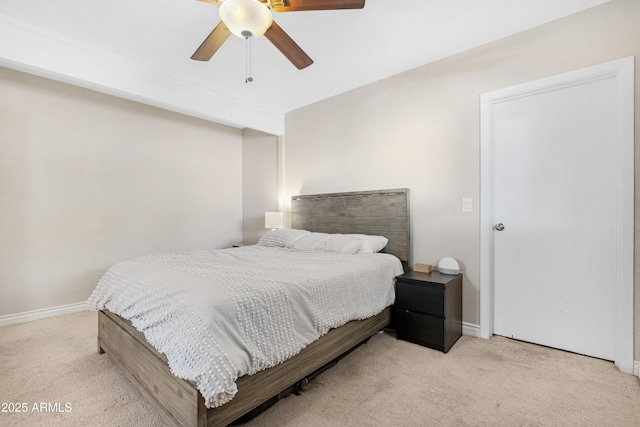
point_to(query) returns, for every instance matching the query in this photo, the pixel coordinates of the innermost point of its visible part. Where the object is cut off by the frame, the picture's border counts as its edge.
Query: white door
(556, 193)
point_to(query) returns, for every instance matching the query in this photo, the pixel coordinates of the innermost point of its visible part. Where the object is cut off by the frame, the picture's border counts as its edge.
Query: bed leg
(100, 350)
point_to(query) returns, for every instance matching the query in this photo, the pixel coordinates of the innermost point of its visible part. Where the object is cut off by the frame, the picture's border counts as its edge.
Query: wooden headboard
(381, 212)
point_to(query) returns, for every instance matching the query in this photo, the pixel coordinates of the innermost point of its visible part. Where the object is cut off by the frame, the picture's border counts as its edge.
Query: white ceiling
(141, 49)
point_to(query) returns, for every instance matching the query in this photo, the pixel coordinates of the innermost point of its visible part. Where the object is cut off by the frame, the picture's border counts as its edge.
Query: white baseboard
(471, 329)
(43, 313)
(636, 368)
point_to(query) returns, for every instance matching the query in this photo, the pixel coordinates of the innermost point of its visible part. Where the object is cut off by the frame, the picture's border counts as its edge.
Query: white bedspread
(218, 315)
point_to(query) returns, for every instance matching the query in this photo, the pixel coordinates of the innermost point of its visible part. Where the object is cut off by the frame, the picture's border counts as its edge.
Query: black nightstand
(428, 309)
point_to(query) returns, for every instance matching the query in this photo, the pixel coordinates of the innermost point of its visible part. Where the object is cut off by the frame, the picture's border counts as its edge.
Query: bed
(380, 213)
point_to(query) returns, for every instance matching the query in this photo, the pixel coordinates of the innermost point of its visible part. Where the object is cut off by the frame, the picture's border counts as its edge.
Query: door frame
(623, 71)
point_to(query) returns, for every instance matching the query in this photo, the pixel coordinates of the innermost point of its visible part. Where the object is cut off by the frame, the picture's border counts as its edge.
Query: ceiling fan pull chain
(247, 50)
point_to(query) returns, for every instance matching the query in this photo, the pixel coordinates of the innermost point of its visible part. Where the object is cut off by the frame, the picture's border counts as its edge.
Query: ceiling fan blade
(212, 43)
(298, 5)
(285, 44)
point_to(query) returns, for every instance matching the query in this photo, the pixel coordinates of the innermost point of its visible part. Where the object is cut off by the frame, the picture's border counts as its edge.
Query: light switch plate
(467, 204)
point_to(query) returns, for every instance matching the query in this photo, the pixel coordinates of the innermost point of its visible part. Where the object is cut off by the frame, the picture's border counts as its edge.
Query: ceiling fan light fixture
(242, 16)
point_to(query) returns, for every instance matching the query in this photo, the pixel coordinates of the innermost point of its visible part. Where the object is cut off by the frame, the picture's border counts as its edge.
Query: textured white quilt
(221, 314)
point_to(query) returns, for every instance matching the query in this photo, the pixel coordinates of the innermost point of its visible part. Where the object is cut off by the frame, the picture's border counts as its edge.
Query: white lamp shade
(245, 15)
(273, 220)
(448, 265)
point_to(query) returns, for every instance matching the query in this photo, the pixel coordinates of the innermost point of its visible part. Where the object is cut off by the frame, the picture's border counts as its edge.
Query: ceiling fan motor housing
(274, 3)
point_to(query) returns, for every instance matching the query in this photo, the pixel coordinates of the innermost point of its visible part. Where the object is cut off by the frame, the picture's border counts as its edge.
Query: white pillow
(371, 244)
(323, 242)
(281, 237)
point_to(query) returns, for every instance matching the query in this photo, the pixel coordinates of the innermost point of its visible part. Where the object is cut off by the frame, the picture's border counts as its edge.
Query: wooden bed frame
(384, 212)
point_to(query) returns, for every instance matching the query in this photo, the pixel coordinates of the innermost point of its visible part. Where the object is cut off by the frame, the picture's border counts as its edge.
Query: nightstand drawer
(421, 298)
(420, 329)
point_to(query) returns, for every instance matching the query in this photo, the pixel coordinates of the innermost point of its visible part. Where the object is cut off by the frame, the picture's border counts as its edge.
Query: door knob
(499, 226)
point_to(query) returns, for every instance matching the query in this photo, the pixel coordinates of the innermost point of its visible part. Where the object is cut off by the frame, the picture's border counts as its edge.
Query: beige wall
(87, 180)
(259, 182)
(420, 129)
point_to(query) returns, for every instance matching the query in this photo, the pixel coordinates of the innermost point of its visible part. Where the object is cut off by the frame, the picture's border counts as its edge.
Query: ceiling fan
(253, 18)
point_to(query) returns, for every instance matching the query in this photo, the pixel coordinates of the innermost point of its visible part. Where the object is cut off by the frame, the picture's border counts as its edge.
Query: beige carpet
(383, 383)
